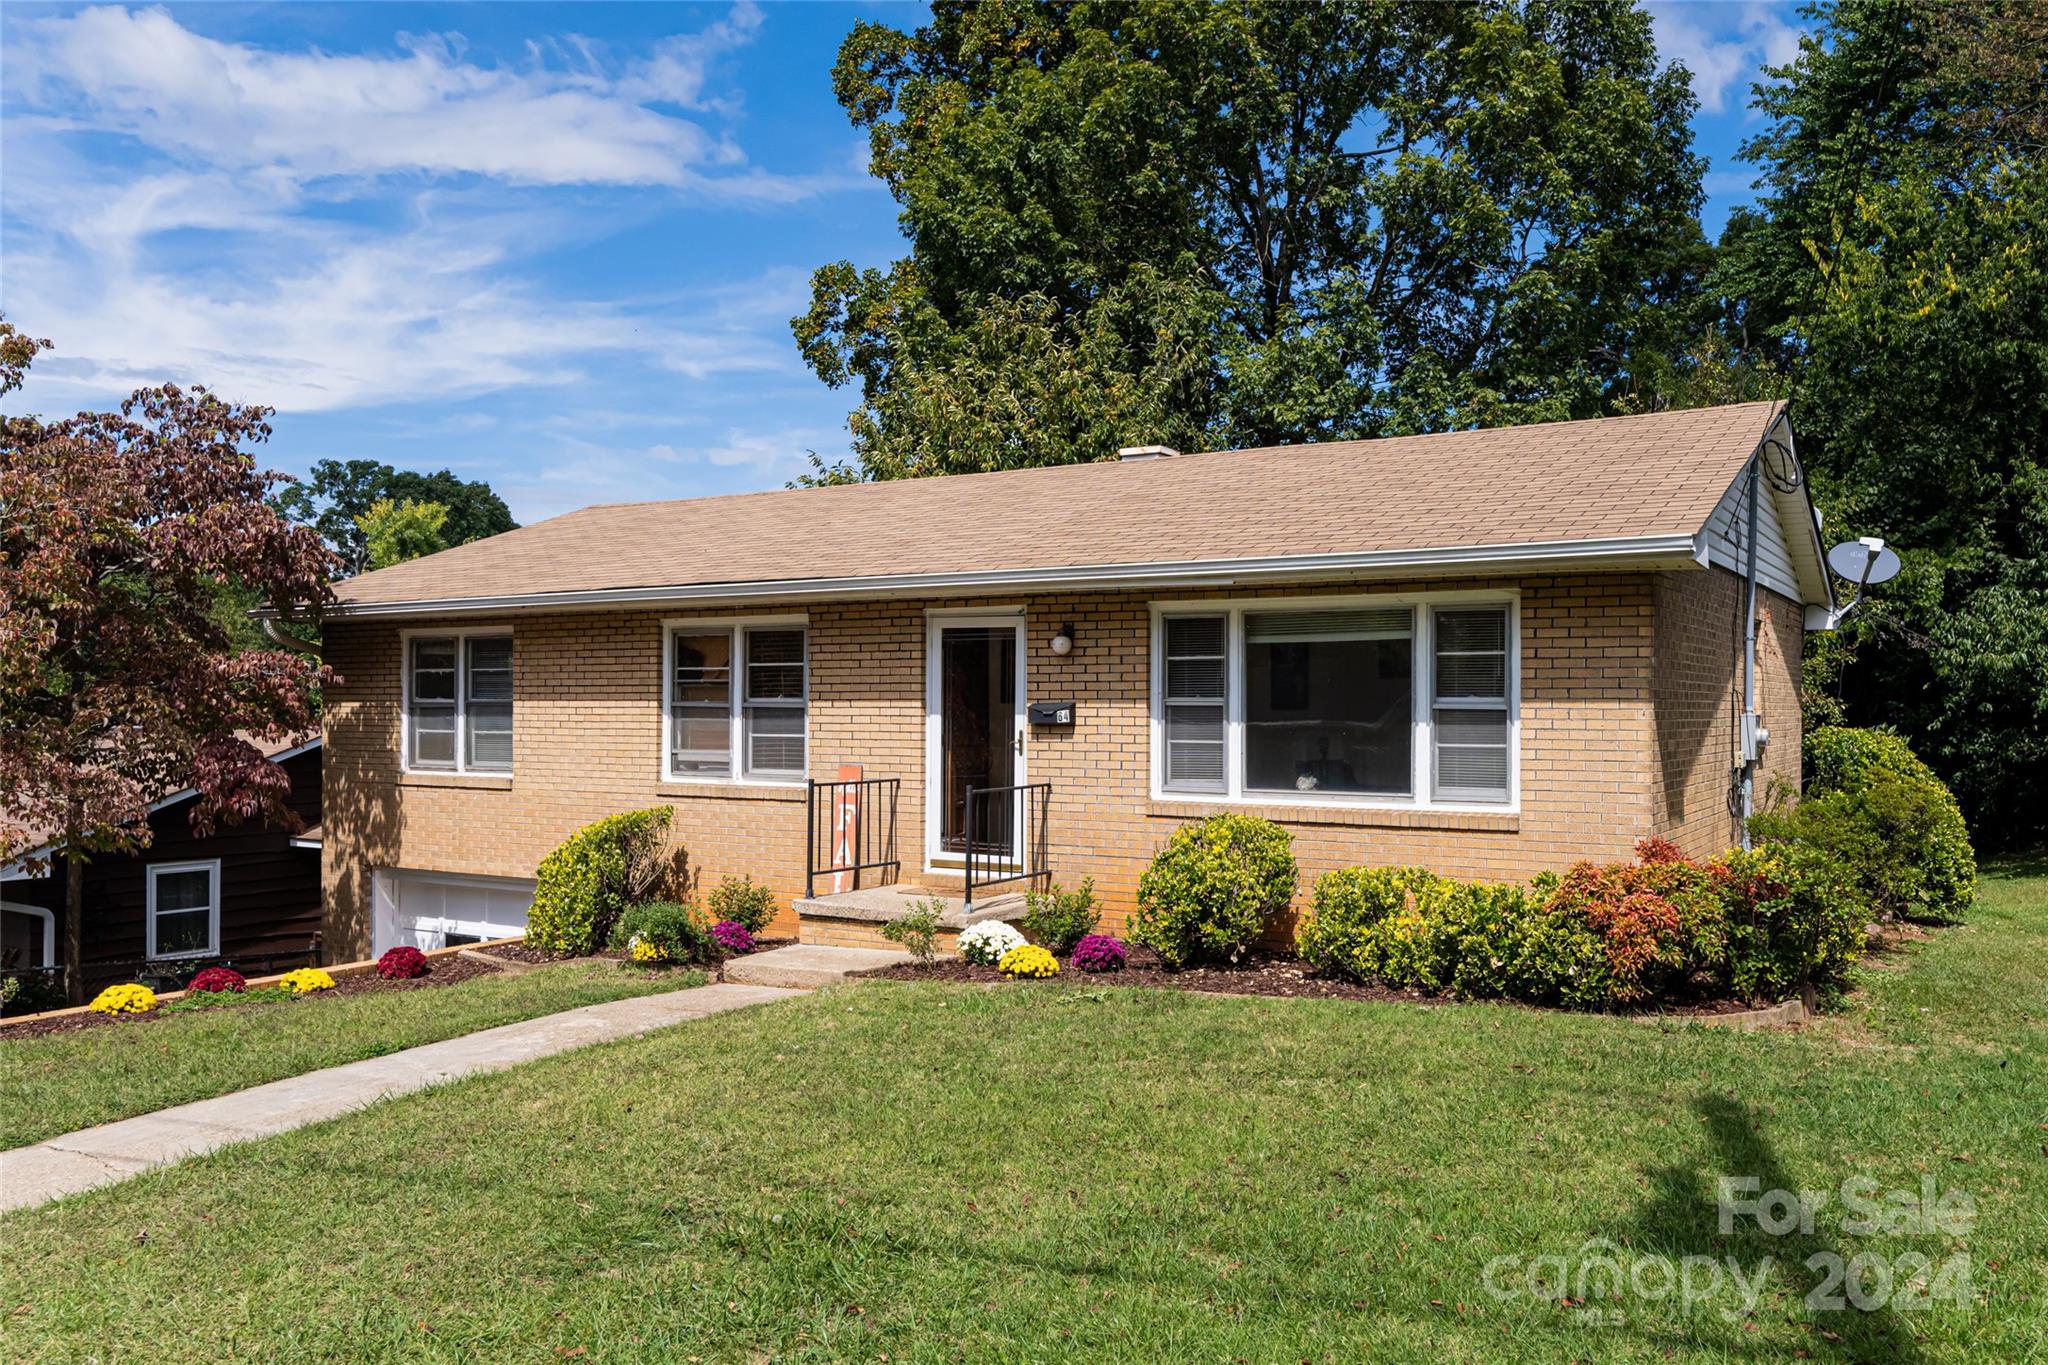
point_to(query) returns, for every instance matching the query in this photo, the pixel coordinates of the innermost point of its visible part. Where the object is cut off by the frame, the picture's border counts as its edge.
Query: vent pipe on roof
(1146, 453)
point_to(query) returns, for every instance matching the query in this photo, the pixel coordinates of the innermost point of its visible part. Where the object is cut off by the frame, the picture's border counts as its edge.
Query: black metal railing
(866, 807)
(1004, 837)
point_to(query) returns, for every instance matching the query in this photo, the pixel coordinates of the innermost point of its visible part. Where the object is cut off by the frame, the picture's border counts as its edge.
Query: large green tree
(1238, 223)
(1895, 270)
(340, 493)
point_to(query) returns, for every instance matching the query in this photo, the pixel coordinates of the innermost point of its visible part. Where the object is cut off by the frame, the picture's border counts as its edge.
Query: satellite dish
(1864, 562)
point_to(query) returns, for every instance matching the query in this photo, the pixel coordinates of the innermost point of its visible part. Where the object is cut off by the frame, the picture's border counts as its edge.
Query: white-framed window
(184, 909)
(1406, 701)
(458, 701)
(736, 700)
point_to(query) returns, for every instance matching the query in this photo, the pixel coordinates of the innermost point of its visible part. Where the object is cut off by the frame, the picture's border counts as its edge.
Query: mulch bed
(1259, 974)
(447, 971)
(519, 952)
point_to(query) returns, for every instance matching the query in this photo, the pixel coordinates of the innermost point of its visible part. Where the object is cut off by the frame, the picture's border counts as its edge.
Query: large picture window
(458, 703)
(738, 701)
(1410, 703)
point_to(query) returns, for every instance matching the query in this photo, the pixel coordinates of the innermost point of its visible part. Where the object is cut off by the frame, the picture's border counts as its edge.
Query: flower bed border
(339, 970)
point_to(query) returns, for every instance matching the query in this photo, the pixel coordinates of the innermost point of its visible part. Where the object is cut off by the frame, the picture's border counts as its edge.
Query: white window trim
(49, 919)
(1423, 753)
(210, 866)
(736, 702)
(461, 638)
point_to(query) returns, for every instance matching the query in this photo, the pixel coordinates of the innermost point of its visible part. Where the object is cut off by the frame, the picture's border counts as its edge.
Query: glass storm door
(980, 735)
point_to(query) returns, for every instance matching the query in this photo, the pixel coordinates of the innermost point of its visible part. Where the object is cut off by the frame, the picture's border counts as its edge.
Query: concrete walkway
(115, 1151)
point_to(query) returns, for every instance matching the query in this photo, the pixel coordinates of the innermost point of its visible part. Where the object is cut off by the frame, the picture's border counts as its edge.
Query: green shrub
(1058, 919)
(1213, 888)
(744, 901)
(1887, 819)
(917, 930)
(587, 883)
(680, 930)
(1477, 937)
(1794, 918)
(1344, 908)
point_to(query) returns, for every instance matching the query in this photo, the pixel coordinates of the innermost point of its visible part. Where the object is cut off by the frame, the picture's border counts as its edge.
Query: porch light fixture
(1063, 642)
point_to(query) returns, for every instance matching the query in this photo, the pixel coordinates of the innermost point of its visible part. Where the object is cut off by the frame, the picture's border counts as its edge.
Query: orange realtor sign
(845, 826)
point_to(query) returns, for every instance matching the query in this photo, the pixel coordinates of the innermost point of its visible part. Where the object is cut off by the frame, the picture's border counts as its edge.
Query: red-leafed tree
(118, 677)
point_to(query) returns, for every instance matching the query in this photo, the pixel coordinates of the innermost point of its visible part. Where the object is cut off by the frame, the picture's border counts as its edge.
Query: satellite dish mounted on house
(1866, 563)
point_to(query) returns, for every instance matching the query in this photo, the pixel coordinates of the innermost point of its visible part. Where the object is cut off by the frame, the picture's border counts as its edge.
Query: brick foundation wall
(1595, 777)
(1697, 690)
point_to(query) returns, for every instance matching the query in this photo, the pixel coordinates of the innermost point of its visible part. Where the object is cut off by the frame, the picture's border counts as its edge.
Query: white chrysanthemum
(986, 942)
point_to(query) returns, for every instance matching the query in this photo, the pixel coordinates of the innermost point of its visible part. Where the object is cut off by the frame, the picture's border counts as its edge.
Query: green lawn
(1067, 1171)
(63, 1081)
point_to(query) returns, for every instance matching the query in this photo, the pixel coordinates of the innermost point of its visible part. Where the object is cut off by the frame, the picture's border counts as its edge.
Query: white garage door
(432, 910)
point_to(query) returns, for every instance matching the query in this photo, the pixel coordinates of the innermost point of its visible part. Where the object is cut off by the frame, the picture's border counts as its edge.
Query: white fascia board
(1668, 551)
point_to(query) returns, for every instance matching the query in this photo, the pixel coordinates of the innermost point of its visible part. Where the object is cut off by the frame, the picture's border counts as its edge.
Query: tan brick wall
(1697, 688)
(588, 742)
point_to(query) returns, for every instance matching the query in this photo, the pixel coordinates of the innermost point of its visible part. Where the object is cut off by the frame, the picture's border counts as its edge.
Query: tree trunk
(74, 921)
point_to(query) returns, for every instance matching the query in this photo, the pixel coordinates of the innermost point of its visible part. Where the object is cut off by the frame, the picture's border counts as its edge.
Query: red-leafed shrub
(218, 979)
(402, 964)
(1658, 849)
(1621, 933)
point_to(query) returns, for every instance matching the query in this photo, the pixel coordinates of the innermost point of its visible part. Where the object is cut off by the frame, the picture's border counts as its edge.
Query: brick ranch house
(1489, 652)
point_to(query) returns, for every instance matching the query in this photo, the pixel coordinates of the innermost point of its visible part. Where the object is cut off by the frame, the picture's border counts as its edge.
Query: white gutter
(1616, 552)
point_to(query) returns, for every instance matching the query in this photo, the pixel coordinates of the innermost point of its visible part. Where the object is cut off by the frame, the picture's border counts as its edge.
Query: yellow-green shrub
(744, 901)
(586, 884)
(1344, 909)
(1885, 816)
(1213, 888)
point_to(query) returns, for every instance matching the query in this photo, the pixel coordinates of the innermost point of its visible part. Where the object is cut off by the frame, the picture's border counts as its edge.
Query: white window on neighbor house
(1406, 702)
(183, 909)
(737, 701)
(458, 702)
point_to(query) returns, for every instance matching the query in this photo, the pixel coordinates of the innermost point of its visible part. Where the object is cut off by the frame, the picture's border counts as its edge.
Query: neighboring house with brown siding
(1489, 652)
(247, 894)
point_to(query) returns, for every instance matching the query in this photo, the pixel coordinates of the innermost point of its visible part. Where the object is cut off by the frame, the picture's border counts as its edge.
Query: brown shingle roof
(1658, 475)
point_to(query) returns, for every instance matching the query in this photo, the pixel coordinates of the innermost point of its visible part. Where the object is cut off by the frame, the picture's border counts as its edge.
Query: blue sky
(552, 246)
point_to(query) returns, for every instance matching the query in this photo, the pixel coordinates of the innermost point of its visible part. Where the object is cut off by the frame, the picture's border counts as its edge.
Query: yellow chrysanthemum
(305, 980)
(1028, 960)
(644, 950)
(124, 999)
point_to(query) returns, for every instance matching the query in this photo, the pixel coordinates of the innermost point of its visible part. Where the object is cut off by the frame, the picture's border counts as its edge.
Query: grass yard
(918, 1172)
(64, 1081)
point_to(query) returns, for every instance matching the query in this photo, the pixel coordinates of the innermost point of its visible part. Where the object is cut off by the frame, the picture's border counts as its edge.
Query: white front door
(427, 910)
(974, 735)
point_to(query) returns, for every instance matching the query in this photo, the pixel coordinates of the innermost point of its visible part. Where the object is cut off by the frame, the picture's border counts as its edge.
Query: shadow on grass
(2013, 867)
(1682, 1218)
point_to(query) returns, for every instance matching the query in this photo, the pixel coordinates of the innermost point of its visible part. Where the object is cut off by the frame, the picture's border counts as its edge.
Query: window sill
(732, 791)
(476, 782)
(1361, 817)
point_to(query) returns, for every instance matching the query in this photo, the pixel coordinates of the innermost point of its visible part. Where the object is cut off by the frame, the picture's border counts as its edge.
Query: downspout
(1746, 730)
(275, 633)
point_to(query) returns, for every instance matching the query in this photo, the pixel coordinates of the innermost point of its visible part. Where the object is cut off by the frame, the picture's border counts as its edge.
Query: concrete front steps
(854, 919)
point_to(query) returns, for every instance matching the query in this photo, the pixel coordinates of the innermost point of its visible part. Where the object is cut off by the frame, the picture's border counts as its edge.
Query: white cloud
(316, 231)
(424, 110)
(1724, 45)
